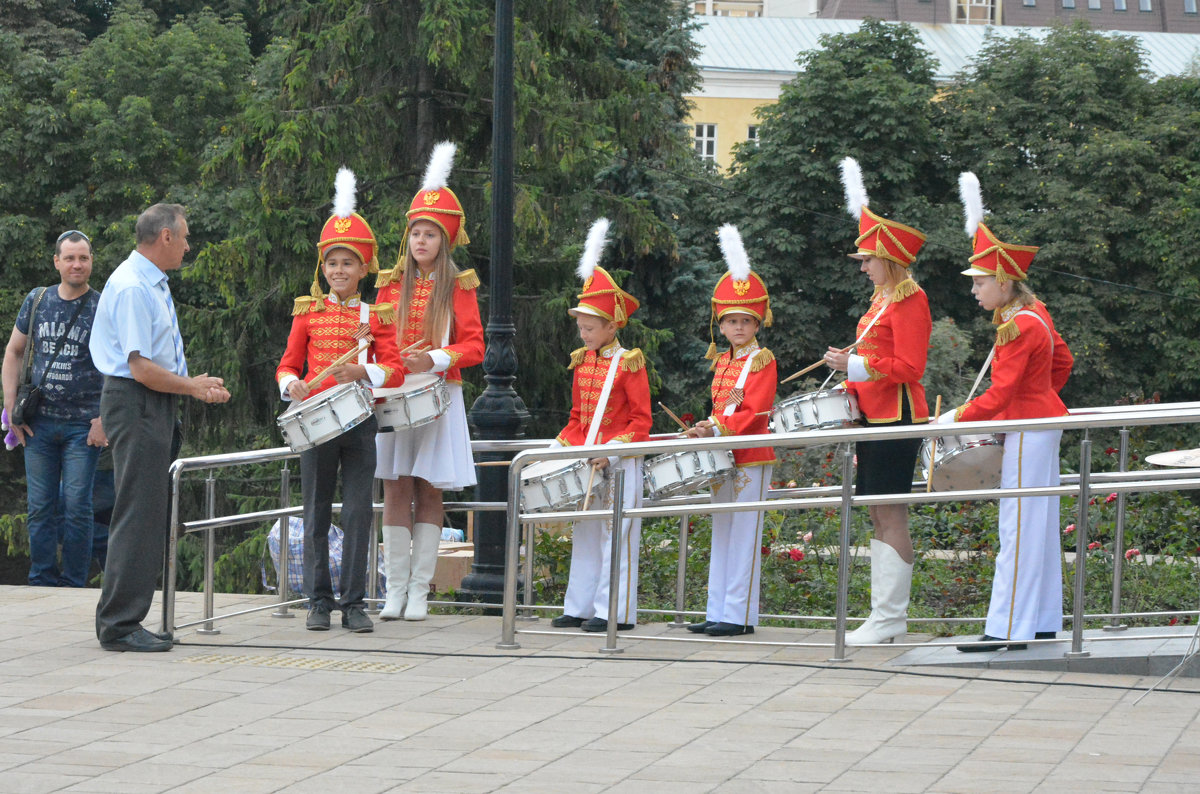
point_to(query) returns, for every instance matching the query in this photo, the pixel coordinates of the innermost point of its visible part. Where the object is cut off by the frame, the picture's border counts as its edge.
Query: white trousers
(591, 553)
(1027, 589)
(735, 562)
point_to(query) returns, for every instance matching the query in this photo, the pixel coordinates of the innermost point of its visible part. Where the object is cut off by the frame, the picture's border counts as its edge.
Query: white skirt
(439, 452)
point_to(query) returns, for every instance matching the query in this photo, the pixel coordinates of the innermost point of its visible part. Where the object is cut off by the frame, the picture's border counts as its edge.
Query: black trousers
(143, 434)
(354, 452)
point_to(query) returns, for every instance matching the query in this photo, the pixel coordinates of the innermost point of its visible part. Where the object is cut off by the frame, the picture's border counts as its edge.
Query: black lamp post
(498, 413)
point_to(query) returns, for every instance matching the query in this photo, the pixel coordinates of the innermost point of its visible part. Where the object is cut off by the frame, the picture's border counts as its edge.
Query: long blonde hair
(896, 272)
(439, 314)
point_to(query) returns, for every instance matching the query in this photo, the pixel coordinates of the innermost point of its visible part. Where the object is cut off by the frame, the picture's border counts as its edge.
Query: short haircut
(72, 237)
(156, 218)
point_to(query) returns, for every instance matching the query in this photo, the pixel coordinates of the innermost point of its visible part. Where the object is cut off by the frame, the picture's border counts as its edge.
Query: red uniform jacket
(318, 338)
(750, 417)
(1028, 370)
(466, 332)
(895, 350)
(627, 414)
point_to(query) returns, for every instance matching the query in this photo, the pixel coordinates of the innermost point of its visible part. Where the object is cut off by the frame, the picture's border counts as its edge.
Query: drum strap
(992, 353)
(602, 403)
(364, 317)
(741, 381)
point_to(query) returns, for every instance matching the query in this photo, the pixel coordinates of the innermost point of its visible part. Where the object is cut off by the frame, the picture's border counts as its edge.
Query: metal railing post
(170, 554)
(373, 549)
(530, 613)
(1081, 533)
(512, 562)
(1115, 623)
(210, 553)
(285, 536)
(614, 561)
(681, 571)
(843, 595)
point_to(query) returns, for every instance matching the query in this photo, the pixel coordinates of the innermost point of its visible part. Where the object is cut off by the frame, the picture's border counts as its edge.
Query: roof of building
(771, 45)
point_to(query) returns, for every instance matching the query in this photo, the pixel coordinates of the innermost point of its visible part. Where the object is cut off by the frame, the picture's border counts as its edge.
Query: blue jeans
(57, 456)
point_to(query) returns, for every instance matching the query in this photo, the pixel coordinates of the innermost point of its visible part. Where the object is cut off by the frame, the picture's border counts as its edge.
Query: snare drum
(552, 485)
(686, 472)
(828, 409)
(422, 399)
(963, 462)
(325, 416)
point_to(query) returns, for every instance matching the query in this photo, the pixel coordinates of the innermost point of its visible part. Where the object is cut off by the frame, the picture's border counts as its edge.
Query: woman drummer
(884, 374)
(1030, 366)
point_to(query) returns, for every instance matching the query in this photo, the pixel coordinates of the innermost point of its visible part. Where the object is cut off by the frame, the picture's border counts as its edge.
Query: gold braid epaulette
(761, 359)
(304, 305)
(633, 360)
(1007, 332)
(385, 277)
(385, 313)
(467, 279)
(577, 357)
(904, 289)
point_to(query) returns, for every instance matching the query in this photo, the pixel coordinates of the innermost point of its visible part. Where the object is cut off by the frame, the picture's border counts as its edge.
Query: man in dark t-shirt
(63, 439)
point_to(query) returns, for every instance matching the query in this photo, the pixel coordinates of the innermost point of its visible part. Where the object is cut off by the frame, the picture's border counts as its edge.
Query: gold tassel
(1007, 332)
(468, 280)
(712, 351)
(384, 312)
(374, 268)
(461, 238)
(301, 305)
(904, 289)
(768, 318)
(384, 278)
(619, 316)
(577, 357)
(633, 360)
(761, 359)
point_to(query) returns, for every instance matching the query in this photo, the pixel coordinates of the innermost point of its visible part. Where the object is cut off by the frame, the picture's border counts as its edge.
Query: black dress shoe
(138, 641)
(728, 630)
(600, 624)
(700, 628)
(318, 618)
(989, 643)
(163, 635)
(1046, 635)
(565, 621)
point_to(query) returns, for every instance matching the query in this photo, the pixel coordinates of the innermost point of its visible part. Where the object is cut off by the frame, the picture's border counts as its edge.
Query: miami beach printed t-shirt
(71, 390)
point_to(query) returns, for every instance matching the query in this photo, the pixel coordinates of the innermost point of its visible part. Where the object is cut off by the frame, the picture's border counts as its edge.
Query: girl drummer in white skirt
(439, 332)
(1030, 366)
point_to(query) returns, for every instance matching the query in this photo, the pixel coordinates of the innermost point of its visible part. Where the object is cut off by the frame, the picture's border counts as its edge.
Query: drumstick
(814, 365)
(419, 343)
(937, 411)
(678, 421)
(342, 360)
(494, 463)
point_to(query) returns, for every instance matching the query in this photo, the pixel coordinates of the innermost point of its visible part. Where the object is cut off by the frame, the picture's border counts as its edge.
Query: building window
(1119, 5)
(752, 134)
(1069, 4)
(975, 12)
(1145, 5)
(1189, 6)
(1094, 5)
(1029, 3)
(706, 141)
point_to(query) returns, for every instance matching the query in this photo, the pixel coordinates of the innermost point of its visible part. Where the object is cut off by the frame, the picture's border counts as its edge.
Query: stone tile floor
(265, 706)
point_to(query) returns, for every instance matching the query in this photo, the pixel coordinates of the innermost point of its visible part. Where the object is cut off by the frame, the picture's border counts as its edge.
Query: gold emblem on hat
(741, 287)
(342, 225)
(431, 198)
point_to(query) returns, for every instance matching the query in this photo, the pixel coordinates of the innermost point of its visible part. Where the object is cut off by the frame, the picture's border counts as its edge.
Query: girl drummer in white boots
(439, 332)
(884, 373)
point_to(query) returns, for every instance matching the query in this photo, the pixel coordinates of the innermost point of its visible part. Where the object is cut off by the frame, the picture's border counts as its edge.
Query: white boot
(891, 581)
(397, 551)
(425, 540)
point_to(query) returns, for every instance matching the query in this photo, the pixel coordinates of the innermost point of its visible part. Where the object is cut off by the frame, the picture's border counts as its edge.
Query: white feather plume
(852, 185)
(592, 249)
(344, 186)
(972, 201)
(734, 252)
(437, 172)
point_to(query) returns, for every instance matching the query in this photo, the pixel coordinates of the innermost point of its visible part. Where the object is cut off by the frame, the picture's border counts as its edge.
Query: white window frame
(705, 139)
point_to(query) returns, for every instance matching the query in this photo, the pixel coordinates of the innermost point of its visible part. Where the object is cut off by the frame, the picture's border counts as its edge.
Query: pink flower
(1129, 555)
(1112, 497)
(1095, 544)
(1070, 528)
(807, 537)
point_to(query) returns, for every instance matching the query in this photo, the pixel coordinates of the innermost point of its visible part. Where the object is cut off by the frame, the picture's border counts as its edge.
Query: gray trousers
(141, 429)
(354, 452)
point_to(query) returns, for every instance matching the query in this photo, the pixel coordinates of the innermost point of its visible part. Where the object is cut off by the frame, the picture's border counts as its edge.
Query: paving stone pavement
(266, 706)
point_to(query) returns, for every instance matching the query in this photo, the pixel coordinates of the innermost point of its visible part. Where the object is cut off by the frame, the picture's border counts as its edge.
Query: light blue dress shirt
(134, 316)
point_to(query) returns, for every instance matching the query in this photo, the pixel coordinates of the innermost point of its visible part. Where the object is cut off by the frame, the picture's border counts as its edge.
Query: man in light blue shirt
(136, 344)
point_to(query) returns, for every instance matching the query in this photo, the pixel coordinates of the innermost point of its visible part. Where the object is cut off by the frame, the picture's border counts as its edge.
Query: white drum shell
(965, 462)
(325, 416)
(687, 471)
(552, 485)
(421, 400)
(829, 409)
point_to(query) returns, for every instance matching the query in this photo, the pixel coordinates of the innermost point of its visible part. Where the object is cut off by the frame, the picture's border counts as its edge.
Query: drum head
(1176, 457)
(970, 467)
(412, 382)
(542, 468)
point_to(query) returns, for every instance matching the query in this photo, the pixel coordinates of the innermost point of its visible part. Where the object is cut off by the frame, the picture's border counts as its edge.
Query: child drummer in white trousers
(610, 405)
(743, 391)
